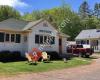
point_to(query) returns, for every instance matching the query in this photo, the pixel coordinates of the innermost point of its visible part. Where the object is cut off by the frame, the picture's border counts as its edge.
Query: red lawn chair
(34, 55)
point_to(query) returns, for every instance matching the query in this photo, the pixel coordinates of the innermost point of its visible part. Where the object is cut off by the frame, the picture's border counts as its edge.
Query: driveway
(88, 72)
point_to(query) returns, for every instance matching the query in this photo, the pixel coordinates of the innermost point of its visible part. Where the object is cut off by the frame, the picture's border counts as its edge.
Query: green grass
(22, 67)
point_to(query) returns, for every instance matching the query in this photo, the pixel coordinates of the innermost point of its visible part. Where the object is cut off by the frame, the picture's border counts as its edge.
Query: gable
(44, 28)
(41, 22)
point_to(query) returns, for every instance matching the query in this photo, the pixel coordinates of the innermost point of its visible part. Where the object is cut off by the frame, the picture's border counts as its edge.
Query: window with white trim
(2, 36)
(37, 39)
(40, 39)
(18, 38)
(12, 37)
(7, 37)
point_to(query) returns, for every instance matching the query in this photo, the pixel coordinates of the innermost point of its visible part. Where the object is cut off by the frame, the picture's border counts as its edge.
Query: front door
(60, 45)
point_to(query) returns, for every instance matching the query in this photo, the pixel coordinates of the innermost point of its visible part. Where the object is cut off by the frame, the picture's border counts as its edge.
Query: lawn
(23, 67)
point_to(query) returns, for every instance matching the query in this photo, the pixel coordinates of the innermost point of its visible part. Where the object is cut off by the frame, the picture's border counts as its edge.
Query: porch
(94, 43)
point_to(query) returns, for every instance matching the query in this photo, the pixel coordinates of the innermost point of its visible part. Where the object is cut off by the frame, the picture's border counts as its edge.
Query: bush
(16, 54)
(4, 55)
(67, 56)
(53, 55)
(9, 56)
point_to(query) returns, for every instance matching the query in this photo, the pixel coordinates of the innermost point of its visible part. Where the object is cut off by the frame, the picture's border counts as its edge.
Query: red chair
(38, 52)
(35, 55)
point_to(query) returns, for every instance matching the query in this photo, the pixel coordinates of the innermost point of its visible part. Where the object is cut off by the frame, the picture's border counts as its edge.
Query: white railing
(95, 47)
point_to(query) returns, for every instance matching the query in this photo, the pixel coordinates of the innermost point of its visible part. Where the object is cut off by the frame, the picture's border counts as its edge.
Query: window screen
(18, 38)
(12, 38)
(1, 37)
(41, 39)
(37, 39)
(7, 37)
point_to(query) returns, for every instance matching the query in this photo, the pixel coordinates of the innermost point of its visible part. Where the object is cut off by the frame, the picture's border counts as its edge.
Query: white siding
(27, 46)
(12, 46)
(35, 30)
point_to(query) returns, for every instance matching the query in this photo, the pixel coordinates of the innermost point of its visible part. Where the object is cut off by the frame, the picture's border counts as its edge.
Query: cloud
(13, 3)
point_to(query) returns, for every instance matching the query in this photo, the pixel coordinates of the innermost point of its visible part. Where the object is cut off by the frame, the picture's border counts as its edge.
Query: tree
(35, 15)
(84, 10)
(8, 12)
(90, 23)
(97, 10)
(72, 26)
(58, 16)
(27, 17)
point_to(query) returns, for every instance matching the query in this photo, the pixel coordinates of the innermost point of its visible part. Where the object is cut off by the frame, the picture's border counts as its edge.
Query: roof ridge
(88, 29)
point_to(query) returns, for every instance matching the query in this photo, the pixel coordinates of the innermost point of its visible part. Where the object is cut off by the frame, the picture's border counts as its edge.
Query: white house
(91, 37)
(19, 35)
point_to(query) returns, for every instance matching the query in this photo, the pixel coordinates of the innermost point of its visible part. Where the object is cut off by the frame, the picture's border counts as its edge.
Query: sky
(24, 6)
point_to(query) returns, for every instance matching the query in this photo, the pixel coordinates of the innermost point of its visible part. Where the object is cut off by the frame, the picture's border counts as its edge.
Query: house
(19, 35)
(91, 37)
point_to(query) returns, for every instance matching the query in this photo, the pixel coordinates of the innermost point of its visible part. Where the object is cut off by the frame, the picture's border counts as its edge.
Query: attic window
(45, 24)
(98, 30)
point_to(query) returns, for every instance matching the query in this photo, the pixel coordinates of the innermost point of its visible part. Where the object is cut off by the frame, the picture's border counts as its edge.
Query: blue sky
(30, 5)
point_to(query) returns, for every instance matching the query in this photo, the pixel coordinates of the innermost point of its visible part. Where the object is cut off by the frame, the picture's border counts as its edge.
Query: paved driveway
(88, 72)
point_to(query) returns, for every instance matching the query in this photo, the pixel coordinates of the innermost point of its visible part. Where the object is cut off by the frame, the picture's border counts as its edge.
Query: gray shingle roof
(20, 25)
(89, 34)
(17, 25)
(13, 24)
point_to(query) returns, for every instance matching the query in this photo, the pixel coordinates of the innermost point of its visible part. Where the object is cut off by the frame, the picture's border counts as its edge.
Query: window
(1, 37)
(18, 38)
(87, 41)
(12, 37)
(98, 30)
(53, 40)
(7, 37)
(83, 42)
(37, 39)
(78, 42)
(45, 39)
(41, 39)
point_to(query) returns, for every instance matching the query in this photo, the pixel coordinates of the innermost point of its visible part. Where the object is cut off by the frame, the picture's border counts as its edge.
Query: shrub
(9, 56)
(4, 55)
(67, 56)
(53, 55)
(16, 54)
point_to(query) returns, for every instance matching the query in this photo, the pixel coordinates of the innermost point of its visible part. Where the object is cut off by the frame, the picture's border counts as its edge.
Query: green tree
(97, 10)
(8, 12)
(72, 26)
(58, 16)
(35, 15)
(84, 10)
